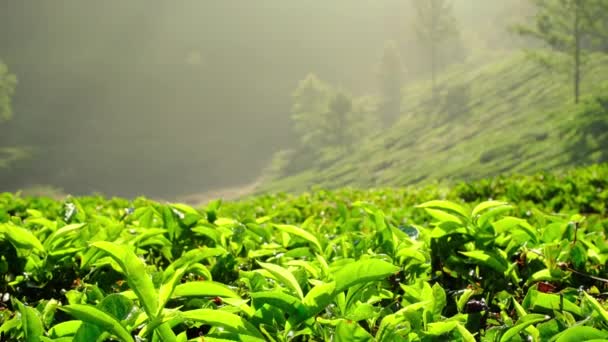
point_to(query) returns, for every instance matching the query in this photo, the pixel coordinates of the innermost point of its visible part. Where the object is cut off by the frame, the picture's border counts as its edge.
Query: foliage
(380, 265)
(489, 118)
(595, 13)
(8, 82)
(590, 137)
(310, 101)
(339, 118)
(569, 28)
(435, 24)
(391, 74)
(329, 121)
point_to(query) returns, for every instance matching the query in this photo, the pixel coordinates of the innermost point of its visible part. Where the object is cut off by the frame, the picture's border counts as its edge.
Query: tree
(329, 120)
(339, 121)
(310, 101)
(8, 82)
(435, 24)
(365, 113)
(595, 13)
(391, 77)
(563, 26)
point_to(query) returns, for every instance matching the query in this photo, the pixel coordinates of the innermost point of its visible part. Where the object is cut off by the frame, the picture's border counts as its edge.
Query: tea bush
(503, 259)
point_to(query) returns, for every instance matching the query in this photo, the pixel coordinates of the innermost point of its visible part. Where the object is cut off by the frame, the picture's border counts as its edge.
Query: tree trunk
(577, 52)
(434, 39)
(433, 71)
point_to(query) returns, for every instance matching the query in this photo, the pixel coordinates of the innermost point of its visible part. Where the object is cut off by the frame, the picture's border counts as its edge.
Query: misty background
(168, 98)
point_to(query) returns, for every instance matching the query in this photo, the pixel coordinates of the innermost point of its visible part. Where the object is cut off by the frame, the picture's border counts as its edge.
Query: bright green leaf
(284, 276)
(92, 315)
(362, 271)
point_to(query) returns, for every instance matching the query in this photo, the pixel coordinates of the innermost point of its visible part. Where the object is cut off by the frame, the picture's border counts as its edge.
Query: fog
(168, 98)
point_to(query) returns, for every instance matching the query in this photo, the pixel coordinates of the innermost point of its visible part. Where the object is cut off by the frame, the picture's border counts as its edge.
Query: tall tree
(391, 77)
(563, 27)
(366, 110)
(435, 24)
(596, 15)
(328, 120)
(8, 82)
(310, 101)
(339, 121)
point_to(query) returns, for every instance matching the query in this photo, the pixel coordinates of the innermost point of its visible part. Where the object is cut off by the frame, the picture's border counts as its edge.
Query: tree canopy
(8, 83)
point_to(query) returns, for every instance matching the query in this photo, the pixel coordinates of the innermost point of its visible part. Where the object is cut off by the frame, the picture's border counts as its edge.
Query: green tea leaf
(466, 335)
(30, 323)
(170, 223)
(464, 299)
(351, 331)
(441, 328)
(288, 304)
(362, 312)
(362, 271)
(190, 258)
(116, 305)
(548, 302)
(203, 289)
(484, 218)
(522, 324)
(228, 321)
(445, 206)
(9, 325)
(301, 233)
(546, 275)
(55, 237)
(283, 276)
(597, 307)
(508, 224)
(319, 297)
(443, 216)
(521, 312)
(580, 333)
(20, 238)
(135, 271)
(92, 315)
(411, 252)
(487, 205)
(168, 287)
(63, 329)
(439, 299)
(494, 261)
(306, 265)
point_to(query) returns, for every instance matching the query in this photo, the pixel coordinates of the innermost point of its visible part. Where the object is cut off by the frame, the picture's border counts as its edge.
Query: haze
(164, 98)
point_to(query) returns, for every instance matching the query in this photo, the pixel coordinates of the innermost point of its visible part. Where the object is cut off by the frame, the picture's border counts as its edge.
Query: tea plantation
(502, 259)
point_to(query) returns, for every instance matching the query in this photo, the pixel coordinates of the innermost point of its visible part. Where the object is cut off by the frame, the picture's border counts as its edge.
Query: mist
(166, 99)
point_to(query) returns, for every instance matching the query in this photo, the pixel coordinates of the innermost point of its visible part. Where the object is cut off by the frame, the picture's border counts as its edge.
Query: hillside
(510, 116)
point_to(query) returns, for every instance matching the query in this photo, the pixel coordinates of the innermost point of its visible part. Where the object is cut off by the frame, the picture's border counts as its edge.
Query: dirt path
(229, 193)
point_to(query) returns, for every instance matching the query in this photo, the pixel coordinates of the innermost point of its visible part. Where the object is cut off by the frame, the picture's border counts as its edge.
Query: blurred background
(170, 99)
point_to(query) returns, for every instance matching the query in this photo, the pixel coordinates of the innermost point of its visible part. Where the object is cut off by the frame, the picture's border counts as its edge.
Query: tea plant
(346, 265)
